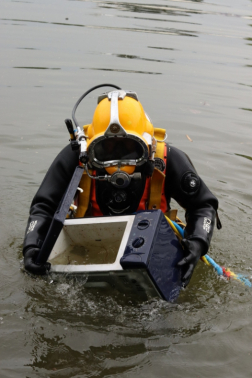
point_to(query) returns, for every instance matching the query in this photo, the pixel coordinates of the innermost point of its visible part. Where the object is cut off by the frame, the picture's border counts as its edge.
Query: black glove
(193, 250)
(29, 262)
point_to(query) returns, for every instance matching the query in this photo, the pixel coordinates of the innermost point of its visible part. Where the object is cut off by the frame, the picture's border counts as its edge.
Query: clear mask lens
(118, 149)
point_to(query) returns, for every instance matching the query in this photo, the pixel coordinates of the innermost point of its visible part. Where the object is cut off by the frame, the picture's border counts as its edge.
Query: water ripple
(121, 70)
(126, 56)
(169, 31)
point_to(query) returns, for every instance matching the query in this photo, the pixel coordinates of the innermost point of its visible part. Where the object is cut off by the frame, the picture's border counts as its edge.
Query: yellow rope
(174, 228)
(203, 258)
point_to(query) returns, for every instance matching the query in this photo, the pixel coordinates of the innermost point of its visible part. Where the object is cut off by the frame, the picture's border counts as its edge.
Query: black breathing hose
(84, 95)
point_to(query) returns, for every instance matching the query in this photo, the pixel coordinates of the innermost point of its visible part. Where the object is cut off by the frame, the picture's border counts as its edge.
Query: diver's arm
(188, 189)
(48, 197)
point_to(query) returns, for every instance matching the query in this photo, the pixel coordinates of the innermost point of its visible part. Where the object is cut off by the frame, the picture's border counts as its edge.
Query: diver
(128, 167)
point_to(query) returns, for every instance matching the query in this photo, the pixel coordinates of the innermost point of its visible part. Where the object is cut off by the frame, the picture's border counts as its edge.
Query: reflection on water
(38, 68)
(245, 156)
(26, 48)
(159, 30)
(248, 109)
(141, 58)
(247, 85)
(145, 8)
(122, 70)
(159, 19)
(161, 48)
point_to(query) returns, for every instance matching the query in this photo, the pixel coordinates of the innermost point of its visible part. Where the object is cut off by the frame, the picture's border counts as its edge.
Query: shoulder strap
(156, 186)
(157, 198)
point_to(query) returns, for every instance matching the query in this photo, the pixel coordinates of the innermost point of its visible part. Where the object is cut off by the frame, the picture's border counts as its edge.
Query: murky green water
(190, 63)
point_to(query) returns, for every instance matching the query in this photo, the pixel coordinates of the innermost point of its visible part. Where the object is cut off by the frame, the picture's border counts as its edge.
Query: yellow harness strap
(156, 186)
(157, 179)
(172, 214)
(84, 197)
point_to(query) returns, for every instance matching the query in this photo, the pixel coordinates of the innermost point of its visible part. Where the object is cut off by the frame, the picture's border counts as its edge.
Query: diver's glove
(30, 256)
(193, 249)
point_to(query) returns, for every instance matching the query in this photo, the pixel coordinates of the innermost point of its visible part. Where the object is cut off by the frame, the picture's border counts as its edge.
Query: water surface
(190, 63)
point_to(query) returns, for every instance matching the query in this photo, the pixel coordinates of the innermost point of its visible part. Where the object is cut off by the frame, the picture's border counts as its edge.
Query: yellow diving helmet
(121, 134)
(120, 137)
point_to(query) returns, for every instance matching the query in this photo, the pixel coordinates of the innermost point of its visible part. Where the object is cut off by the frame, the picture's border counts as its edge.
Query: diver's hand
(31, 266)
(193, 251)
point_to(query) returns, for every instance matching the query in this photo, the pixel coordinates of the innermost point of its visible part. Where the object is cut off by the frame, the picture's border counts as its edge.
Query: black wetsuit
(181, 183)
